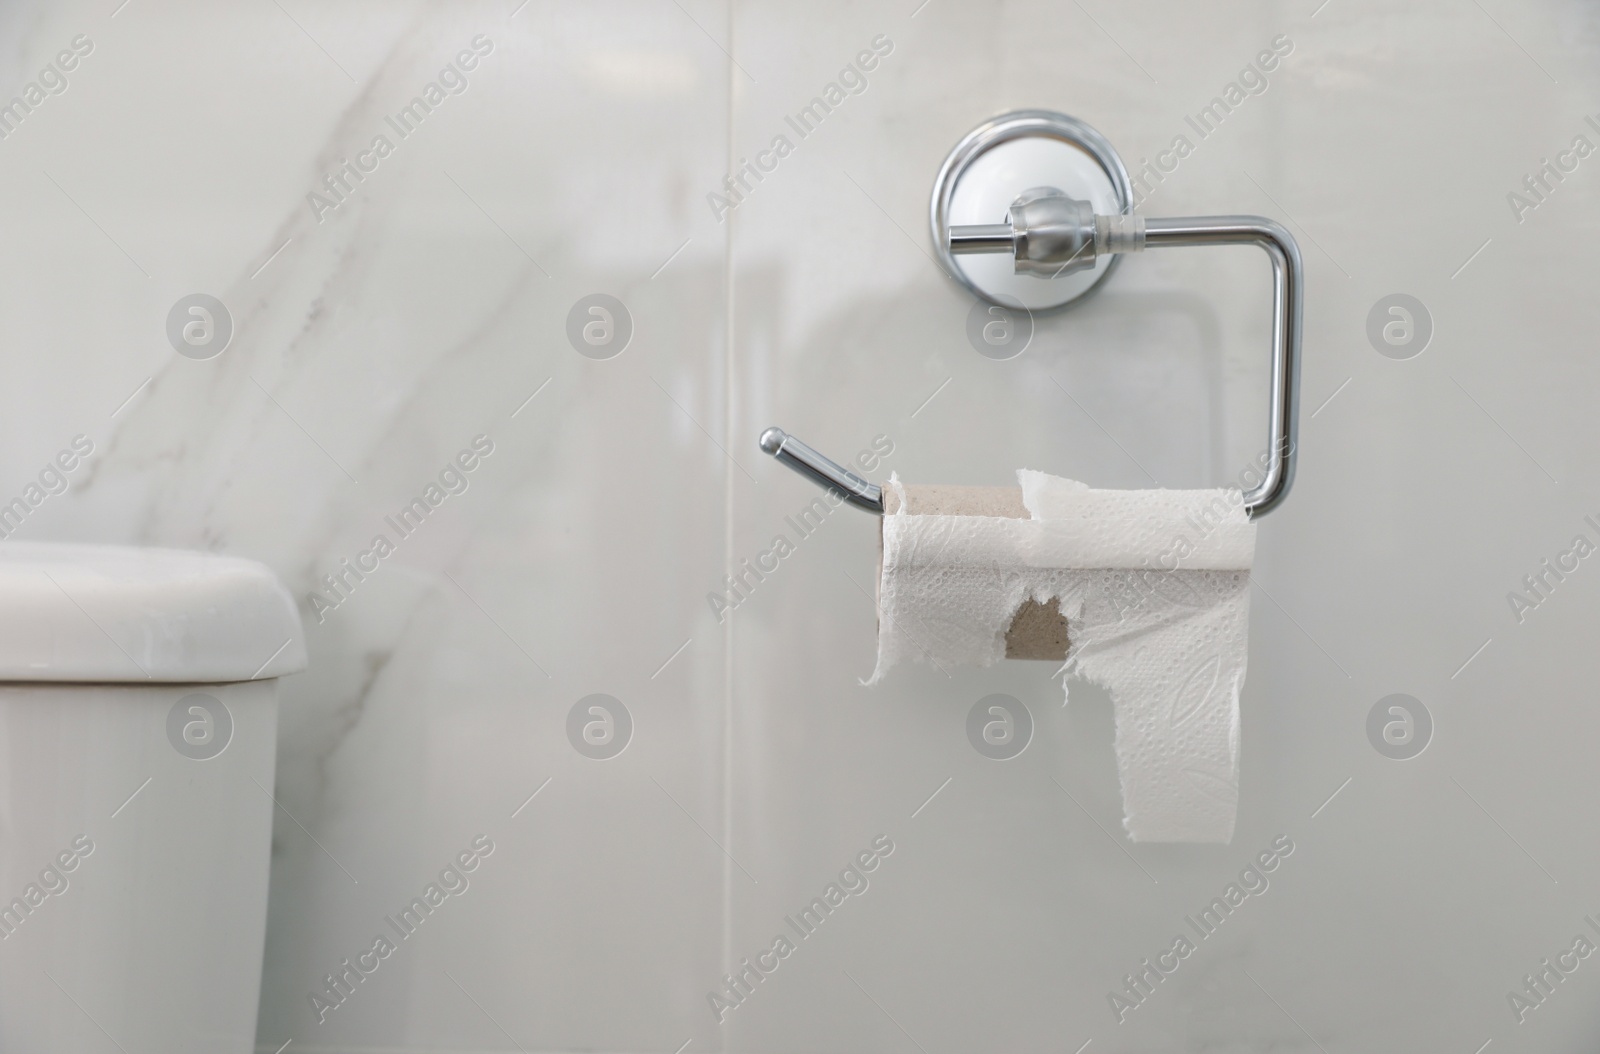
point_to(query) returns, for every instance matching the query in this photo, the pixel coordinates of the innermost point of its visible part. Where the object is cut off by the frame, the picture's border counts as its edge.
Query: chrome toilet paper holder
(1069, 221)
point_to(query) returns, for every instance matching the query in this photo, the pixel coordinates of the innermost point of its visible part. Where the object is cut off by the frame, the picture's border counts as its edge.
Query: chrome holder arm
(1288, 287)
(821, 471)
(1051, 234)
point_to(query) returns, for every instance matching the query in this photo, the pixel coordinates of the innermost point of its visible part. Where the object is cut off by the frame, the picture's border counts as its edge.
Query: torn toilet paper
(1154, 585)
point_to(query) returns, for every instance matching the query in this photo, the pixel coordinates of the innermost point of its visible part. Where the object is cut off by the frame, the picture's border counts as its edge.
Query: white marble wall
(375, 341)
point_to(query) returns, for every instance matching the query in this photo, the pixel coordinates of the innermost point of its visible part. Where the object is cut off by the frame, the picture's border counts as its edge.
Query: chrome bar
(1060, 223)
(1108, 235)
(981, 238)
(821, 471)
(1288, 290)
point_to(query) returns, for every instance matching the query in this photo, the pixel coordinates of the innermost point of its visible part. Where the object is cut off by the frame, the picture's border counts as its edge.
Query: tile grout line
(727, 521)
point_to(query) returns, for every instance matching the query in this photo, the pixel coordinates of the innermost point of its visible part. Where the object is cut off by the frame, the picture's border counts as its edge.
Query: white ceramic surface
(370, 348)
(134, 876)
(137, 812)
(124, 614)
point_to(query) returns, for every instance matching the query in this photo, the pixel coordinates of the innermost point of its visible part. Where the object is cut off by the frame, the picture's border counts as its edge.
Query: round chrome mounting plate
(991, 166)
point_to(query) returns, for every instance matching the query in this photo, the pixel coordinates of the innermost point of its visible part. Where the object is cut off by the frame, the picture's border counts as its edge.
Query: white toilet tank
(138, 721)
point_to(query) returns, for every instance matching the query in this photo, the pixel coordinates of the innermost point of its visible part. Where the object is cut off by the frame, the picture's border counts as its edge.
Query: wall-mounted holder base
(1007, 161)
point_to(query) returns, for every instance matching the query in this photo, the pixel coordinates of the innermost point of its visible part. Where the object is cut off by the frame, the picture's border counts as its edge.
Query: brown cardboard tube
(1037, 631)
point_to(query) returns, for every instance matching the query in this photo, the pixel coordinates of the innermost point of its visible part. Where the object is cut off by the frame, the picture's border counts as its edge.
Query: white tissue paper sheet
(1155, 588)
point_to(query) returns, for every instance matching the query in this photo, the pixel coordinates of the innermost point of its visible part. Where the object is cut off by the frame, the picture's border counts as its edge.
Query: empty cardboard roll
(1037, 631)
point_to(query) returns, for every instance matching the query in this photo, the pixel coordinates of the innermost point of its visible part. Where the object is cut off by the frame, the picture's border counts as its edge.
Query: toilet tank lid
(103, 613)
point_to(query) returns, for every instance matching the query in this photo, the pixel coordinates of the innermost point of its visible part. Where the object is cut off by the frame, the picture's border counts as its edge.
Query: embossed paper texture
(1155, 588)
